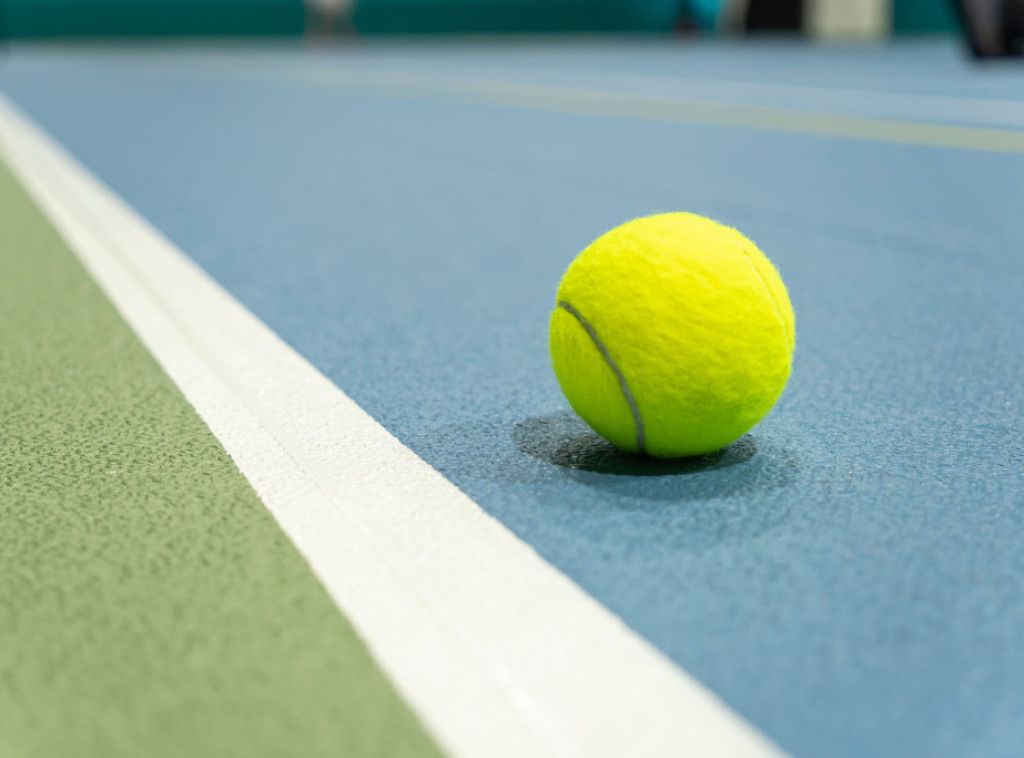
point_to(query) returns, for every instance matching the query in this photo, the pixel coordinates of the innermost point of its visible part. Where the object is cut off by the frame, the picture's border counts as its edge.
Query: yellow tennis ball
(672, 335)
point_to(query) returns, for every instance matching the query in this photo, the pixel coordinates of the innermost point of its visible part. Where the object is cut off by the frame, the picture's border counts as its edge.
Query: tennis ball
(672, 335)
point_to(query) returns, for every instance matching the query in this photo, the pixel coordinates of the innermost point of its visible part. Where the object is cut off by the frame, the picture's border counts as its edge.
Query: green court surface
(151, 605)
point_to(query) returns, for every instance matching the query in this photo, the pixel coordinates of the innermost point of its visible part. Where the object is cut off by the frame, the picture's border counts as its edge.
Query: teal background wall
(57, 18)
(454, 16)
(923, 16)
(76, 18)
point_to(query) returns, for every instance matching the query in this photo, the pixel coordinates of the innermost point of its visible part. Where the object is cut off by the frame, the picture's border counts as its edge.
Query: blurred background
(822, 19)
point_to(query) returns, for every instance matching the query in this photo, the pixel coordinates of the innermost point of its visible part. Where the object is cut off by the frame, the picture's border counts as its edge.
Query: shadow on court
(749, 465)
(564, 439)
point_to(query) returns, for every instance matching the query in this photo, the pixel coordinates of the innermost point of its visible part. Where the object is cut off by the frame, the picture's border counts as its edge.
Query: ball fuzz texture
(672, 335)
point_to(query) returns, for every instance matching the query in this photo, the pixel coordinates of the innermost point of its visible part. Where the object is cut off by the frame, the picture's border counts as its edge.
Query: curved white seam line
(634, 409)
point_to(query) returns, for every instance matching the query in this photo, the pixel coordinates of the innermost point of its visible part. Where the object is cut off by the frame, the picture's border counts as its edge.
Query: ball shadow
(564, 439)
(551, 474)
(748, 466)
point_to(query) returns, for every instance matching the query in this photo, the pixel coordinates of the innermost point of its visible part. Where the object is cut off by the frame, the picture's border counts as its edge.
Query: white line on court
(906, 104)
(497, 652)
(649, 107)
(703, 110)
(916, 118)
(902, 106)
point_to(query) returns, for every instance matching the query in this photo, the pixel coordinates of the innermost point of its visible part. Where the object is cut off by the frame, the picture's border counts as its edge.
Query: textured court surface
(849, 576)
(151, 604)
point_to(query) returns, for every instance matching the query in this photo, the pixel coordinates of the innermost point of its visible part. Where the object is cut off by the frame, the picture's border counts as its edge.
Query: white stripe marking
(383, 66)
(497, 652)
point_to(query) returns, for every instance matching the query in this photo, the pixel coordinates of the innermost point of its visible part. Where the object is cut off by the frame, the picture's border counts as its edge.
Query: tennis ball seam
(771, 295)
(634, 409)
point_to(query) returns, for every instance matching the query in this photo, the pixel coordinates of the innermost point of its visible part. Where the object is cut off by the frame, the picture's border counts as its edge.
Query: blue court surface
(849, 577)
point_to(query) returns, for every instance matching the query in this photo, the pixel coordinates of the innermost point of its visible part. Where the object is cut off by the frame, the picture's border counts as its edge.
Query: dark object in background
(774, 16)
(1013, 17)
(994, 28)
